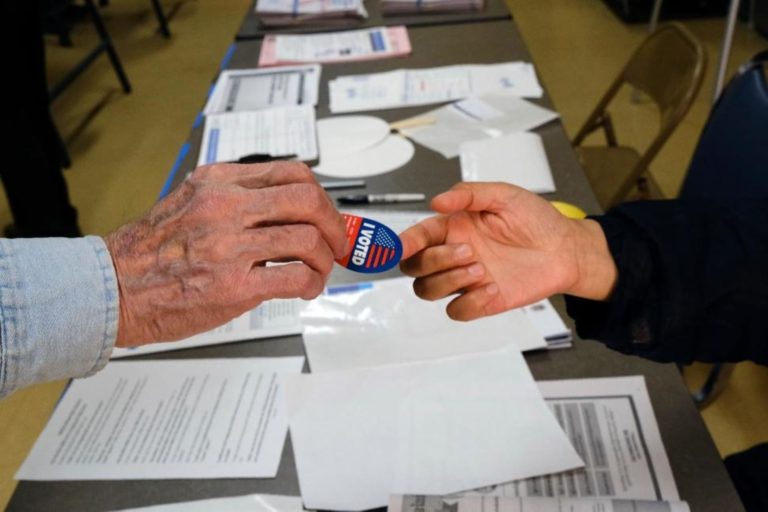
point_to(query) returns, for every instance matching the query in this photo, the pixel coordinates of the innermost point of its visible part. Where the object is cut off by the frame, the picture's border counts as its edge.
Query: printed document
(384, 322)
(277, 131)
(272, 319)
(431, 427)
(511, 504)
(256, 89)
(192, 418)
(611, 424)
(344, 46)
(410, 87)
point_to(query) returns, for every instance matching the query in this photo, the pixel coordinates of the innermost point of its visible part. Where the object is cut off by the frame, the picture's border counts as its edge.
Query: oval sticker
(375, 247)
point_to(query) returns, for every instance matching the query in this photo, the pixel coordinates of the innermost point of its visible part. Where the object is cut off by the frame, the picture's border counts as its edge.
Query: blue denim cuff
(58, 309)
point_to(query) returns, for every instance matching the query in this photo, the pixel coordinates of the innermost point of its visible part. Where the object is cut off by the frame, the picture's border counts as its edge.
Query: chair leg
(161, 18)
(716, 381)
(108, 46)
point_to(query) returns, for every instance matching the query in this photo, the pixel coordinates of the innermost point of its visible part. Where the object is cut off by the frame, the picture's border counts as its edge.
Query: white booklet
(192, 418)
(240, 90)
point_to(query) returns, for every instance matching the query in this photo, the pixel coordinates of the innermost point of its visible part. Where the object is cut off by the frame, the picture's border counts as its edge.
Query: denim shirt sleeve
(58, 309)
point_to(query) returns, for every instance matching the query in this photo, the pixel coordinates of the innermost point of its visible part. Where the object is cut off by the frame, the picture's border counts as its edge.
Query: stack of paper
(410, 87)
(475, 119)
(403, 7)
(517, 158)
(275, 131)
(347, 46)
(430, 427)
(510, 504)
(281, 13)
(257, 89)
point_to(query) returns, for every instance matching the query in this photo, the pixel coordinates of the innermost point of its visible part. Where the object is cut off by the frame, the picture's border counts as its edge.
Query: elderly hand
(198, 259)
(500, 247)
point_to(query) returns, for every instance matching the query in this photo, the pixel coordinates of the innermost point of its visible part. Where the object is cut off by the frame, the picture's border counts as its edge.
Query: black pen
(381, 198)
(259, 158)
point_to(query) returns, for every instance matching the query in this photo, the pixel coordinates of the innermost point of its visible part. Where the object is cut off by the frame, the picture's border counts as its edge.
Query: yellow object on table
(569, 210)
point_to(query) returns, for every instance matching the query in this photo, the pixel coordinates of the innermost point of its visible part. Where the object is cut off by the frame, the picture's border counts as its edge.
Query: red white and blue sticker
(375, 247)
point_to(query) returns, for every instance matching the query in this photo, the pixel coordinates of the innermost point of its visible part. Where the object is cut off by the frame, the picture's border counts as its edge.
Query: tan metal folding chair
(669, 68)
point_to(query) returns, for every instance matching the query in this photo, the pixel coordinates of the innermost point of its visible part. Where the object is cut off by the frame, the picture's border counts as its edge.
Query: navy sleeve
(693, 282)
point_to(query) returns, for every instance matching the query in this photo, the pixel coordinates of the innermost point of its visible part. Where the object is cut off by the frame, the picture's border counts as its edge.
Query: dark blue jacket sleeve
(693, 282)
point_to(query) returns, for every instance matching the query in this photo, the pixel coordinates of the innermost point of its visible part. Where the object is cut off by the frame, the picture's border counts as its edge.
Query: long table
(494, 10)
(700, 475)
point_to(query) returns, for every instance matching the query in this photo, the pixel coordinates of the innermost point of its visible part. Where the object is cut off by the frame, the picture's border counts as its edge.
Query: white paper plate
(344, 135)
(393, 152)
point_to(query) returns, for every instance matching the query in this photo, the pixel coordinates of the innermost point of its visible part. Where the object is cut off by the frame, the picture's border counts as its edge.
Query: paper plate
(344, 135)
(393, 152)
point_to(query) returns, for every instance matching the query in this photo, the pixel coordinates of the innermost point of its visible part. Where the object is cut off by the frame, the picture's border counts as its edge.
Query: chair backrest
(731, 158)
(668, 66)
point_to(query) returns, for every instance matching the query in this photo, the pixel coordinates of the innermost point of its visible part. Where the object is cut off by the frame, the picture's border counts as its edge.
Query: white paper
(433, 427)
(511, 504)
(409, 87)
(548, 322)
(345, 135)
(248, 503)
(517, 158)
(390, 154)
(384, 322)
(256, 89)
(276, 131)
(193, 418)
(334, 46)
(272, 319)
(612, 425)
(475, 119)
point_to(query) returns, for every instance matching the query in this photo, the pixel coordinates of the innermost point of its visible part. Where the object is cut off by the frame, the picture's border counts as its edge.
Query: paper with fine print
(191, 418)
(513, 504)
(611, 423)
(384, 322)
(430, 427)
(272, 319)
(333, 47)
(516, 158)
(238, 90)
(477, 118)
(248, 503)
(390, 154)
(280, 131)
(411, 87)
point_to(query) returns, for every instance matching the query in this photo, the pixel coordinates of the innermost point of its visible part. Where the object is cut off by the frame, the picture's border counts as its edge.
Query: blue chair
(731, 160)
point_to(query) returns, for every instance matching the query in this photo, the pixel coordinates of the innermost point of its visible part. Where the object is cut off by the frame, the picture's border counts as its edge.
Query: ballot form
(192, 418)
(509, 504)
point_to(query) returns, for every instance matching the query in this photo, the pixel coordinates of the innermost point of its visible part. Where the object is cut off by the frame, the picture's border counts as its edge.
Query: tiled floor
(123, 145)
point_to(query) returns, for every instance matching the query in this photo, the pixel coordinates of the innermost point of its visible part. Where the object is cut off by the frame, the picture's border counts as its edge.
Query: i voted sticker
(375, 247)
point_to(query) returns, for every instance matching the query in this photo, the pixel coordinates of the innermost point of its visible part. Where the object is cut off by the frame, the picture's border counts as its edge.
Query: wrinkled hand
(198, 258)
(501, 247)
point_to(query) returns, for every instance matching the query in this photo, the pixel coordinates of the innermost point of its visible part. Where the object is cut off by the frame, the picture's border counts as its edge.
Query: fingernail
(463, 251)
(476, 269)
(492, 289)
